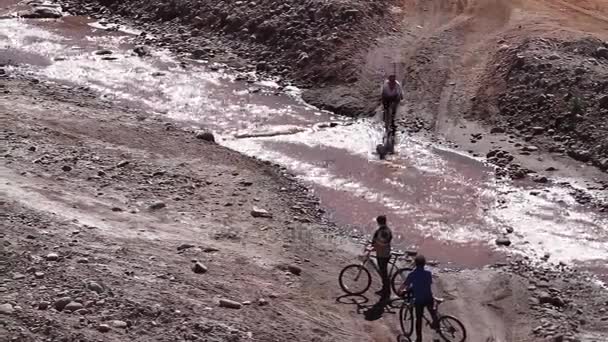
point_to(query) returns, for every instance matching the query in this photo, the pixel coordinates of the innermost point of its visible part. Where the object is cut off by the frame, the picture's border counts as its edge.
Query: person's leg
(434, 317)
(383, 267)
(418, 311)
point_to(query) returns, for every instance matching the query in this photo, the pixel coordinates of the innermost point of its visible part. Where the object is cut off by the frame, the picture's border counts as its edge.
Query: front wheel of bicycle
(355, 279)
(451, 329)
(406, 320)
(398, 279)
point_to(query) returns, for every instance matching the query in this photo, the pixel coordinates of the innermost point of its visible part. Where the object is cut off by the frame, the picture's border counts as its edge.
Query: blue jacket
(419, 282)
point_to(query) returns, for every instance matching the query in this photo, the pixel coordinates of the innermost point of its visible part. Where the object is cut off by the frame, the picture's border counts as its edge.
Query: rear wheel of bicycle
(398, 279)
(406, 320)
(451, 329)
(355, 279)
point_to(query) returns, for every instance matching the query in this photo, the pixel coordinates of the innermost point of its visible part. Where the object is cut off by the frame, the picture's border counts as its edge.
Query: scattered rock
(103, 52)
(262, 302)
(104, 328)
(61, 303)
(43, 305)
(293, 269)
(541, 179)
(95, 287)
(157, 205)
(73, 306)
(119, 324)
(52, 257)
(503, 241)
(184, 246)
(18, 276)
(142, 51)
(497, 130)
(39, 275)
(604, 102)
(6, 309)
(530, 148)
(206, 136)
(257, 212)
(122, 164)
(230, 304)
(82, 261)
(66, 168)
(199, 268)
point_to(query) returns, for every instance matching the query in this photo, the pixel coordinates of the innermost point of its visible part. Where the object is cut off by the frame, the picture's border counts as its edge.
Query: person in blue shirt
(418, 283)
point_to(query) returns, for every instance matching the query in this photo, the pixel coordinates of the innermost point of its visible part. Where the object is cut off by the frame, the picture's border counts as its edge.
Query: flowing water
(438, 200)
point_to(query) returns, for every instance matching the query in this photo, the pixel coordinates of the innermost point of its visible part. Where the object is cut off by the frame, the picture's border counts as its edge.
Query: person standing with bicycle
(418, 284)
(381, 243)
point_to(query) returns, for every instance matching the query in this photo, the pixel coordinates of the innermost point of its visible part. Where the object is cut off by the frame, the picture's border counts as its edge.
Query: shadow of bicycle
(371, 311)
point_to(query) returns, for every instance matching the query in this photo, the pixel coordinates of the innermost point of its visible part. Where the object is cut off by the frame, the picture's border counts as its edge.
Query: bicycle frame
(367, 259)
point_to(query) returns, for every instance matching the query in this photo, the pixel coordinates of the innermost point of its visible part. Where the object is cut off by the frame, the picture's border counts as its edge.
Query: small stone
(61, 303)
(257, 212)
(247, 302)
(296, 270)
(52, 257)
(184, 246)
(95, 287)
(206, 136)
(538, 130)
(6, 309)
(230, 304)
(141, 51)
(122, 163)
(43, 305)
(530, 148)
(18, 276)
(199, 268)
(66, 168)
(104, 328)
(262, 302)
(497, 130)
(39, 275)
(73, 306)
(103, 52)
(83, 261)
(32, 148)
(503, 241)
(157, 205)
(510, 230)
(550, 169)
(541, 179)
(117, 209)
(119, 324)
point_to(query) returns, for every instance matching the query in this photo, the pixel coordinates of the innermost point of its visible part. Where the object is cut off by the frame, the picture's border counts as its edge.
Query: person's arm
(400, 92)
(405, 284)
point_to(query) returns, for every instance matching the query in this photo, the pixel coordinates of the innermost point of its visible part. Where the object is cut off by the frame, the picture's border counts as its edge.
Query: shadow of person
(375, 312)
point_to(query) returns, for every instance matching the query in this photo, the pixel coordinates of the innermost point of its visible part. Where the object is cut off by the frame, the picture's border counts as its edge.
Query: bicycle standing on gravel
(448, 327)
(356, 279)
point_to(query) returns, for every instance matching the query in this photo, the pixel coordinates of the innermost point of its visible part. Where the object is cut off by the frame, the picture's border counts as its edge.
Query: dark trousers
(419, 311)
(390, 110)
(383, 271)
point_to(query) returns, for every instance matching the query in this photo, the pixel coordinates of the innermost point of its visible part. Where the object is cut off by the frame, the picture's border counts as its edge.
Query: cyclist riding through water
(391, 95)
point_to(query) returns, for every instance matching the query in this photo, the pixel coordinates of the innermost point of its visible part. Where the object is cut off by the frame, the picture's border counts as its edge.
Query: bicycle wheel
(398, 279)
(355, 279)
(451, 329)
(406, 320)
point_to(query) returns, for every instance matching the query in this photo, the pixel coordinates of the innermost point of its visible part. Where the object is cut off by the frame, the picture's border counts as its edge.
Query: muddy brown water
(440, 201)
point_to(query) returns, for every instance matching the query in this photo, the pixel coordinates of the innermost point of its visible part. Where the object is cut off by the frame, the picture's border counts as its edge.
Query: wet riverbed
(441, 201)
